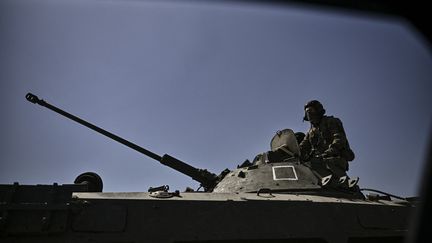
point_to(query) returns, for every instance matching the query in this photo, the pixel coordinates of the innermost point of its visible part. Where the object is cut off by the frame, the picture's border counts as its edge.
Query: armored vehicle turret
(275, 198)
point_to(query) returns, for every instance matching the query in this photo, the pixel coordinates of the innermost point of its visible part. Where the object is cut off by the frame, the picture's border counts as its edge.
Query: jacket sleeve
(338, 137)
(305, 148)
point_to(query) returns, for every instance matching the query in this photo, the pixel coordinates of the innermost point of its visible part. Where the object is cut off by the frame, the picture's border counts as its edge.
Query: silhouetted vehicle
(266, 200)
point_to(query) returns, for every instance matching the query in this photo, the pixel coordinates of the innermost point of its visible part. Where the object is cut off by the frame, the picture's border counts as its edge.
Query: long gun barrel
(206, 178)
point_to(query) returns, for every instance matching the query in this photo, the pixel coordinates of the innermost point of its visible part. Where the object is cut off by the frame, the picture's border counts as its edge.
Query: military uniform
(325, 146)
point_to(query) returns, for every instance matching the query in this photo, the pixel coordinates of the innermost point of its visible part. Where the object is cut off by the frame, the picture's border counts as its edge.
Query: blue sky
(207, 83)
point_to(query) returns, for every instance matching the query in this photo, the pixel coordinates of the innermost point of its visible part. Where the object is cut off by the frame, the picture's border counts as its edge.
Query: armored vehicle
(275, 198)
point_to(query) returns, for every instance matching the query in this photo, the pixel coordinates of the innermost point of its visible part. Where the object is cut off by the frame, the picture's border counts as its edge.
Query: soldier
(325, 145)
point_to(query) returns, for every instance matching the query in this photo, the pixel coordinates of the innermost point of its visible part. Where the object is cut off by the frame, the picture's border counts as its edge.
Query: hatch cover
(284, 172)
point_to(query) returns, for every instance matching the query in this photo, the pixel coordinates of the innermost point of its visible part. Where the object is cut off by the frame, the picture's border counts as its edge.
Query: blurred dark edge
(416, 12)
(422, 218)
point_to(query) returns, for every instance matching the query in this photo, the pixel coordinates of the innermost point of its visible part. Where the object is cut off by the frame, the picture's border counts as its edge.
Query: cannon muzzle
(34, 99)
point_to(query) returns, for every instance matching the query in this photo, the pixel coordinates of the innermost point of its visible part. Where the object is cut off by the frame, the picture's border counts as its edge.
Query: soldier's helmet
(318, 107)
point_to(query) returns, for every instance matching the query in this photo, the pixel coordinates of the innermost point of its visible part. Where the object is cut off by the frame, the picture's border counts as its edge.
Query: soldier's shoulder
(331, 120)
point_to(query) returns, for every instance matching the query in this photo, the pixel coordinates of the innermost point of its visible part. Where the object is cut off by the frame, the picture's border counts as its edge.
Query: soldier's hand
(330, 152)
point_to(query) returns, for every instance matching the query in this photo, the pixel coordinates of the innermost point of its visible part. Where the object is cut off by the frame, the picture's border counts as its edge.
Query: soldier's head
(314, 111)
